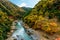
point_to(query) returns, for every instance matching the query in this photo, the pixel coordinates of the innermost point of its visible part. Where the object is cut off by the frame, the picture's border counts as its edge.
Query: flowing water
(20, 33)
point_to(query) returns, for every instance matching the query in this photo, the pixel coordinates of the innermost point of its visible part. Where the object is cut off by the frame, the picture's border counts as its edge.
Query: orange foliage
(53, 24)
(57, 38)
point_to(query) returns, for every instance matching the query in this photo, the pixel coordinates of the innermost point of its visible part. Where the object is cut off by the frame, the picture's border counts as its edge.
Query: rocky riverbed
(41, 35)
(32, 33)
(35, 34)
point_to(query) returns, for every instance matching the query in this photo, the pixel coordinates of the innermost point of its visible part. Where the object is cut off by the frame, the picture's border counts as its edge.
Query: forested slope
(44, 16)
(8, 13)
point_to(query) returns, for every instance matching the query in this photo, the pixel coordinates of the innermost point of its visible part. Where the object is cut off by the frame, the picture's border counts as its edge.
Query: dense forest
(27, 11)
(45, 16)
(8, 13)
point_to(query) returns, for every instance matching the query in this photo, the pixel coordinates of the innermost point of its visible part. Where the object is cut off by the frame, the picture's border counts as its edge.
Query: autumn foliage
(45, 16)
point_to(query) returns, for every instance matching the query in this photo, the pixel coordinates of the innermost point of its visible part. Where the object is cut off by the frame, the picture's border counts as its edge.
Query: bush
(46, 25)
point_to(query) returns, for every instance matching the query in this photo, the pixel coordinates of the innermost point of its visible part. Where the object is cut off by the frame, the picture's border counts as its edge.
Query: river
(19, 33)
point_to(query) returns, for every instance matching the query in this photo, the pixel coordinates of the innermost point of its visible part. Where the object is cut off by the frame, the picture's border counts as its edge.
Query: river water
(20, 33)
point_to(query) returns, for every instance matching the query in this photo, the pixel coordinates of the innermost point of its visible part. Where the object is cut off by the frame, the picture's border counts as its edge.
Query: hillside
(45, 16)
(8, 13)
(27, 10)
(10, 8)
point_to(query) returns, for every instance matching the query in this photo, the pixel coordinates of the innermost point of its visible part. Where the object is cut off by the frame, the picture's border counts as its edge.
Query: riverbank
(28, 31)
(35, 34)
(43, 35)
